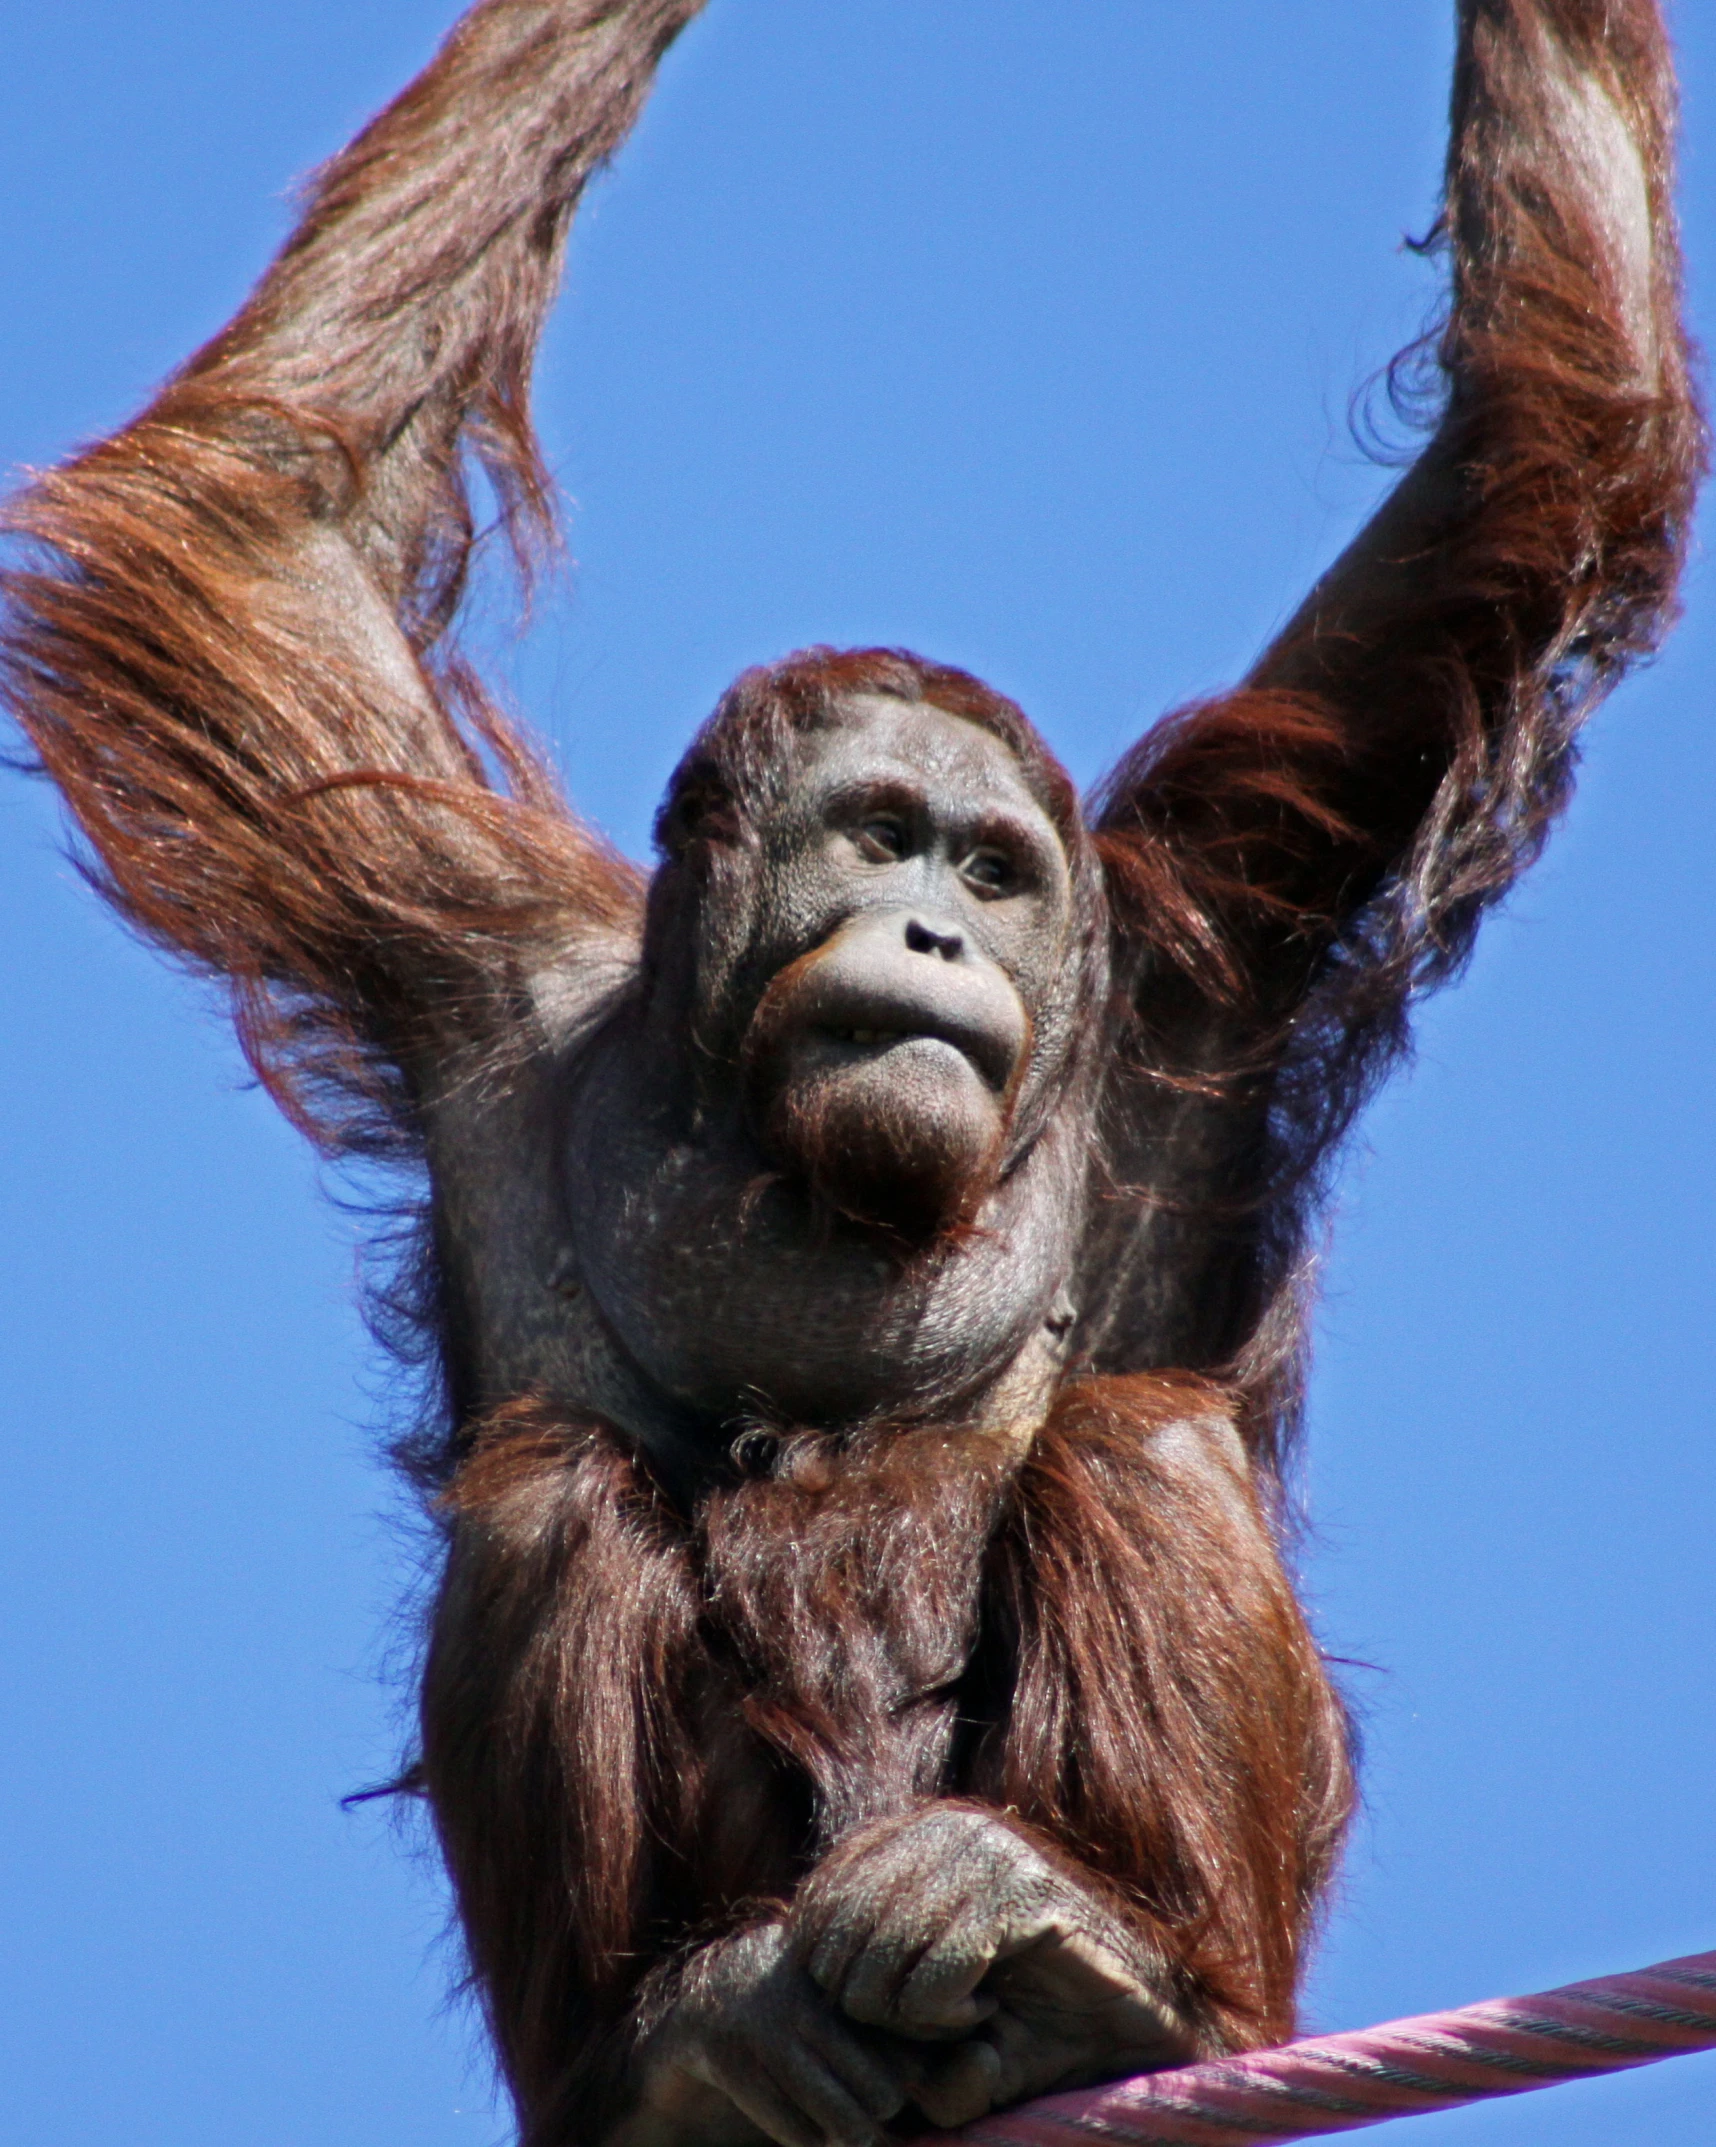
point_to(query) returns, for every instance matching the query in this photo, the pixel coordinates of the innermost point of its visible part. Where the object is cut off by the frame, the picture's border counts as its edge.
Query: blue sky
(1024, 335)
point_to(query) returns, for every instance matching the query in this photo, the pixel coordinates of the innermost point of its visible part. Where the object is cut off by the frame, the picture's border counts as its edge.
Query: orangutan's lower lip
(877, 1040)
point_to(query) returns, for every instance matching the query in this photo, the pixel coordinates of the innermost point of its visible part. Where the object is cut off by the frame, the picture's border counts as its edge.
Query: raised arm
(225, 639)
(1408, 735)
(1291, 861)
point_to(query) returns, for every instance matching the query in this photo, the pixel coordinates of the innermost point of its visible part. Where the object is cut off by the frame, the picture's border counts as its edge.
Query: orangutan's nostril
(921, 940)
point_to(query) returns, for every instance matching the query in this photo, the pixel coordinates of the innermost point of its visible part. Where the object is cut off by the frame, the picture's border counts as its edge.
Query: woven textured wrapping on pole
(1406, 2068)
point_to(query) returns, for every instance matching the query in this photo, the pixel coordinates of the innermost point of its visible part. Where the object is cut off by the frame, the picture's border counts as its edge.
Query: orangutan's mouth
(988, 1045)
(865, 1000)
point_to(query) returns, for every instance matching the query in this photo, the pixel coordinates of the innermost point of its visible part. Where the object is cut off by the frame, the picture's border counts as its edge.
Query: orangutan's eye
(883, 840)
(990, 872)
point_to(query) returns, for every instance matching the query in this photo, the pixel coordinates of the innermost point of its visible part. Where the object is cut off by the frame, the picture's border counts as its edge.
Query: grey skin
(686, 1289)
(665, 1275)
(818, 2029)
(909, 852)
(609, 1236)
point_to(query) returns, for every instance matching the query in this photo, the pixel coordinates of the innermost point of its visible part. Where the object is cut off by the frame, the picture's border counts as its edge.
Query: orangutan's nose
(939, 939)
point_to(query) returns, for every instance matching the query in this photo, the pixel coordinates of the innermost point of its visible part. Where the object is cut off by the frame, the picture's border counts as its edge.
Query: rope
(1335, 2083)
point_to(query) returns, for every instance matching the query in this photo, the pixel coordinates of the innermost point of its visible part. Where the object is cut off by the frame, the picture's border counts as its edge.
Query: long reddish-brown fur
(276, 781)
(1291, 863)
(227, 643)
(1101, 1641)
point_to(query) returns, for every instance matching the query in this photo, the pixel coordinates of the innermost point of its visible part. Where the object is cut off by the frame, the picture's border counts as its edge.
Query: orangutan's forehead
(915, 739)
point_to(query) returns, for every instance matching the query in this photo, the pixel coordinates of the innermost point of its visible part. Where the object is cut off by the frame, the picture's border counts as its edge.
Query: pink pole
(1336, 2083)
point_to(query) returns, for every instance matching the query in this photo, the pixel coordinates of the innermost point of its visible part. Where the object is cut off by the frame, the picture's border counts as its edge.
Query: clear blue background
(1023, 334)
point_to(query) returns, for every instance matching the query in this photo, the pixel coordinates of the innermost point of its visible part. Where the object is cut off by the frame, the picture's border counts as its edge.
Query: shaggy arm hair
(227, 640)
(1291, 861)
